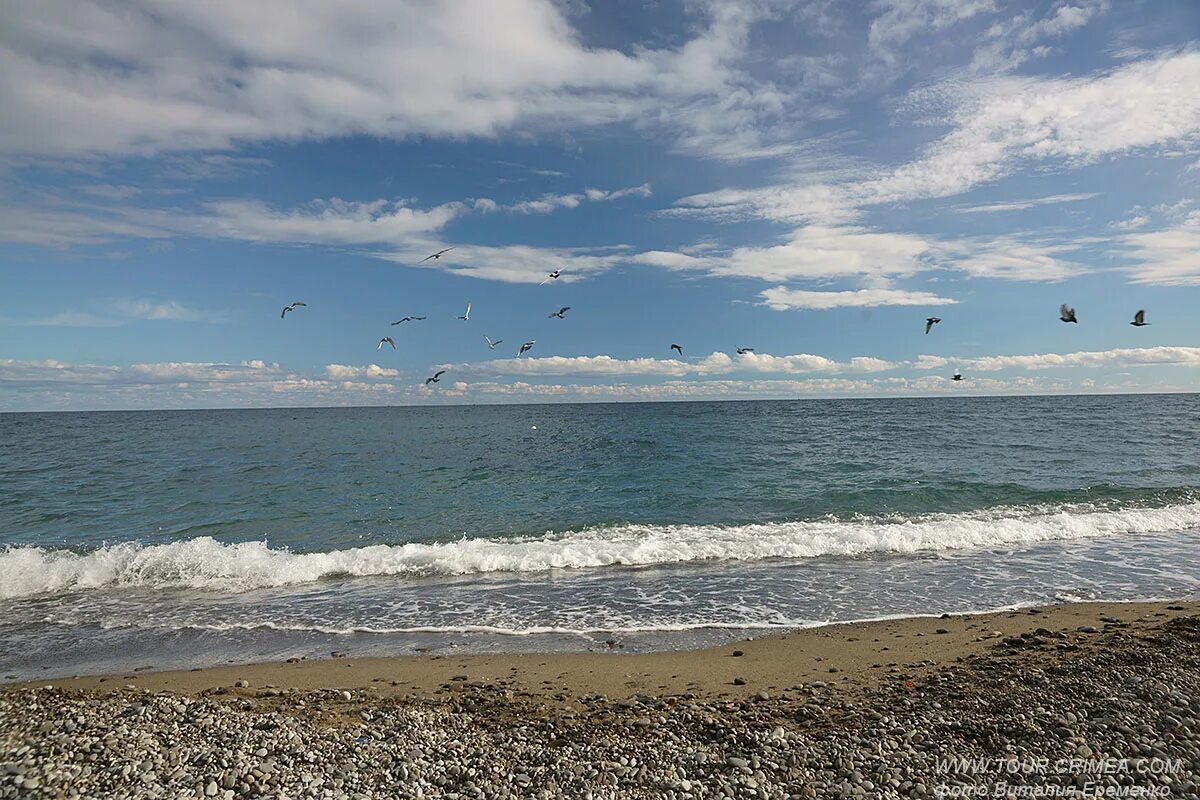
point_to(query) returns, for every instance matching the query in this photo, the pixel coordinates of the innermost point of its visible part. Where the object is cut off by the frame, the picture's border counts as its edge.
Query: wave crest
(204, 563)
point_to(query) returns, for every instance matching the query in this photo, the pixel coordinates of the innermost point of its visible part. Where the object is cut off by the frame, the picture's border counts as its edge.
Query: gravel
(1127, 696)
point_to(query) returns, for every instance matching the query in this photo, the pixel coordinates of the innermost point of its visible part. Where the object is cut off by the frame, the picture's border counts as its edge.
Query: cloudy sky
(808, 179)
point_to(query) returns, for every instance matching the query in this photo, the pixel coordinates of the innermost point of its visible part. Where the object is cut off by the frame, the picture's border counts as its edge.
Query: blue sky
(808, 179)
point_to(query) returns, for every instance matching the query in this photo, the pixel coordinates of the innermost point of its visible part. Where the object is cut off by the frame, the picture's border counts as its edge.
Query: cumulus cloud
(1119, 357)
(713, 364)
(345, 371)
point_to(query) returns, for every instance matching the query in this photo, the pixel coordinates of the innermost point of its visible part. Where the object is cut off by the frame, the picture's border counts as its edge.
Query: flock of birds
(1065, 314)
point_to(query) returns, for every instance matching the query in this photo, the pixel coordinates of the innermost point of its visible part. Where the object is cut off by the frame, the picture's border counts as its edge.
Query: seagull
(930, 322)
(526, 347)
(677, 347)
(437, 376)
(385, 340)
(292, 307)
(491, 344)
(436, 255)
(741, 351)
(466, 315)
(407, 319)
(1139, 319)
(553, 276)
(562, 312)
(957, 376)
(1067, 314)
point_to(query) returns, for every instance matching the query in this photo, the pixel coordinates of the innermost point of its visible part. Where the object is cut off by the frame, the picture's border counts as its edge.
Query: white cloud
(781, 298)
(333, 221)
(120, 311)
(1166, 257)
(344, 371)
(1021, 205)
(902, 20)
(82, 78)
(512, 263)
(552, 202)
(1120, 357)
(713, 364)
(1014, 41)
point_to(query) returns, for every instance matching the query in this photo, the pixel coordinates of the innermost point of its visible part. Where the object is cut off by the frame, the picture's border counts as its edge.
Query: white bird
(437, 376)
(491, 344)
(466, 315)
(435, 256)
(561, 313)
(526, 348)
(1139, 319)
(1067, 314)
(930, 322)
(741, 351)
(408, 319)
(553, 276)
(292, 307)
(383, 341)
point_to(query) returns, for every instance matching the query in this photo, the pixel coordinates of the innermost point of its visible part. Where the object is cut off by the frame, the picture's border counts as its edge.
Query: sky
(808, 179)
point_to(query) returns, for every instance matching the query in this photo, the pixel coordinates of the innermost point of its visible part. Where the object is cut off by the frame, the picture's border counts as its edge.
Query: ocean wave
(204, 563)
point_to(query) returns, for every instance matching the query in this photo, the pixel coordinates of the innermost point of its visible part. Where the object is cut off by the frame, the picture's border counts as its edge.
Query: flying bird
(292, 307)
(957, 376)
(741, 351)
(407, 319)
(491, 344)
(435, 256)
(1139, 319)
(561, 313)
(466, 315)
(677, 347)
(526, 348)
(1067, 314)
(930, 322)
(437, 376)
(553, 276)
(385, 340)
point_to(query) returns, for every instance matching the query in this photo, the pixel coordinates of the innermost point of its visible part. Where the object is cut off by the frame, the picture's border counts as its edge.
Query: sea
(179, 539)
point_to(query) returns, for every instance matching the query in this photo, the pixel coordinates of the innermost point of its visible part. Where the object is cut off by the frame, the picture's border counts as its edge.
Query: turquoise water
(193, 537)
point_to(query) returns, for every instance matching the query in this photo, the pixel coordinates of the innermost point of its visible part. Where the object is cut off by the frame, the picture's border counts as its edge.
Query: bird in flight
(677, 347)
(553, 276)
(525, 348)
(741, 351)
(1139, 319)
(385, 340)
(957, 376)
(466, 315)
(435, 256)
(437, 376)
(408, 319)
(491, 344)
(1067, 314)
(562, 312)
(930, 322)
(292, 307)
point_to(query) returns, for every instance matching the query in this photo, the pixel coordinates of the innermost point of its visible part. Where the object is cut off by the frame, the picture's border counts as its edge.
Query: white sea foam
(205, 563)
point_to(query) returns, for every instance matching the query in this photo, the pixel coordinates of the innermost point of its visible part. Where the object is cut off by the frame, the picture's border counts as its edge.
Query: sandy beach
(862, 709)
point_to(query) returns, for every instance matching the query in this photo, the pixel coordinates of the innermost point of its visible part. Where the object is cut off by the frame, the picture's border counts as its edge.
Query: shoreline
(1079, 698)
(860, 653)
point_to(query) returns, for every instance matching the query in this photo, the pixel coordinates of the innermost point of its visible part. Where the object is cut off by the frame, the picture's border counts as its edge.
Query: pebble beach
(1087, 700)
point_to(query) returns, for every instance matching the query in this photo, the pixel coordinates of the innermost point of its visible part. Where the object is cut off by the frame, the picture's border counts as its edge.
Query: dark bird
(466, 314)
(957, 376)
(1067, 314)
(930, 322)
(741, 351)
(1139, 319)
(677, 347)
(292, 307)
(562, 312)
(408, 319)
(435, 256)
(525, 348)
(553, 276)
(491, 344)
(437, 376)
(385, 340)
